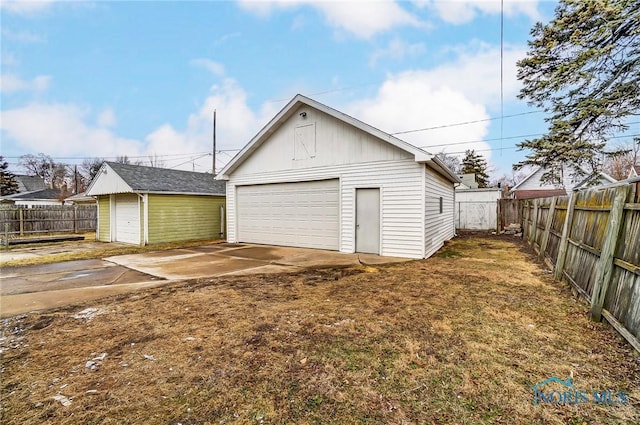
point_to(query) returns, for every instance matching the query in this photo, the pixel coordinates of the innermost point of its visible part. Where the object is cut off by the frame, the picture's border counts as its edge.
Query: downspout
(145, 215)
(455, 186)
(222, 221)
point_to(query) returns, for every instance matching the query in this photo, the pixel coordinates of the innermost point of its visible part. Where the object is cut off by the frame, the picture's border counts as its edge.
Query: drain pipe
(222, 221)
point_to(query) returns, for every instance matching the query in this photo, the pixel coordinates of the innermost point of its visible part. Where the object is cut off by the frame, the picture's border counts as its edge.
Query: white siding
(108, 182)
(336, 143)
(438, 227)
(36, 202)
(401, 197)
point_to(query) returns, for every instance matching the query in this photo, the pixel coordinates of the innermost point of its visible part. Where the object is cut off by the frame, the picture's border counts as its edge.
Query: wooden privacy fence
(591, 238)
(21, 221)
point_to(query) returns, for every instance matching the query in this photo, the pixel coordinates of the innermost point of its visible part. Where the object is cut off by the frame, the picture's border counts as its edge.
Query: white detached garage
(317, 178)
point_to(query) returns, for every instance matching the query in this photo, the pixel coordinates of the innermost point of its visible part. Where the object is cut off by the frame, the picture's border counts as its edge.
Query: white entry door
(127, 218)
(368, 221)
(302, 214)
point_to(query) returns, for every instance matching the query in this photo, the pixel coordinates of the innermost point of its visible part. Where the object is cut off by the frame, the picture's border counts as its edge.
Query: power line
(466, 122)
(517, 147)
(481, 140)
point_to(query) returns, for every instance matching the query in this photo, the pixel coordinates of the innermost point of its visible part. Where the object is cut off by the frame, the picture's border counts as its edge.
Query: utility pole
(213, 170)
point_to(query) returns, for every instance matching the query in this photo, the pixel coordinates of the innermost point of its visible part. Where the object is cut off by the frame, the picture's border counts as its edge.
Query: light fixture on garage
(303, 114)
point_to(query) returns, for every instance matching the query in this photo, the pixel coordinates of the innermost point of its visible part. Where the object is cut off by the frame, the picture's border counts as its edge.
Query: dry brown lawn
(460, 338)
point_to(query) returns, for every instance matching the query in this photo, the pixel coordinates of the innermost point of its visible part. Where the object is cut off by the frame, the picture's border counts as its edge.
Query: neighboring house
(467, 181)
(34, 198)
(315, 177)
(634, 172)
(29, 183)
(532, 186)
(80, 199)
(147, 205)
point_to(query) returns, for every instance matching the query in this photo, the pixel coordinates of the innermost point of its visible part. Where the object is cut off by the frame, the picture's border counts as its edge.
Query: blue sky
(102, 79)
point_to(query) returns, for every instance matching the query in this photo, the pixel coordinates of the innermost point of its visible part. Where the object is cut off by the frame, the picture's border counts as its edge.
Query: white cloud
(62, 129)
(409, 101)
(464, 11)
(12, 83)
(214, 67)
(236, 123)
(461, 90)
(360, 18)
(107, 118)
(25, 7)
(476, 73)
(71, 130)
(397, 49)
(22, 36)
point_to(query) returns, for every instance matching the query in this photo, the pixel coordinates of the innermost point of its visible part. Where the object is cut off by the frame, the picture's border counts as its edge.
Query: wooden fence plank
(547, 227)
(605, 265)
(534, 226)
(564, 239)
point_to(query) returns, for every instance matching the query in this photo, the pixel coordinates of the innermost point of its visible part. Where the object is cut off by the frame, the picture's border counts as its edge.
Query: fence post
(564, 240)
(604, 268)
(75, 219)
(547, 227)
(21, 218)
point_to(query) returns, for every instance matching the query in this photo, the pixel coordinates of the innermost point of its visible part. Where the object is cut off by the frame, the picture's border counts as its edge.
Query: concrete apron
(160, 268)
(239, 259)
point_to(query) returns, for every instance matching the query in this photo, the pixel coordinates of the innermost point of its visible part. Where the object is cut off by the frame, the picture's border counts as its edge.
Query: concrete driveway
(29, 288)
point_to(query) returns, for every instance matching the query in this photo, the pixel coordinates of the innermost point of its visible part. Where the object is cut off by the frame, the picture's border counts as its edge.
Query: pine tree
(475, 163)
(8, 182)
(583, 68)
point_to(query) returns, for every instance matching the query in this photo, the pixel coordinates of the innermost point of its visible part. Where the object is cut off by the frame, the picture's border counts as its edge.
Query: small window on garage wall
(441, 203)
(304, 142)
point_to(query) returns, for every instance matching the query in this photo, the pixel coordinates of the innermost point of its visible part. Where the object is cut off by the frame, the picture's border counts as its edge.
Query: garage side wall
(438, 226)
(401, 197)
(183, 217)
(104, 219)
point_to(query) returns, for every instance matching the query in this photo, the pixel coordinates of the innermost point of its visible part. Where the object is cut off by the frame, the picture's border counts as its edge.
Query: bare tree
(451, 161)
(618, 163)
(53, 173)
(155, 161)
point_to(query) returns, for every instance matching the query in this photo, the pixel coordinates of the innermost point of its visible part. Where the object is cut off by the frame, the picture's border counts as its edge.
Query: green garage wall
(104, 218)
(183, 217)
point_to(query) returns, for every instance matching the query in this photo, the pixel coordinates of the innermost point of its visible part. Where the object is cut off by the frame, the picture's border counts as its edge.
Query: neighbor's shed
(318, 178)
(477, 209)
(147, 205)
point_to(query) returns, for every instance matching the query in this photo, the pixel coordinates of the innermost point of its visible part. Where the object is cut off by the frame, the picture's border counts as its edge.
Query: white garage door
(127, 219)
(290, 214)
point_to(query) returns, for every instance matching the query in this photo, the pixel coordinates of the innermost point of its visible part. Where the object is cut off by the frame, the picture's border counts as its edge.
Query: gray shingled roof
(29, 183)
(37, 194)
(152, 179)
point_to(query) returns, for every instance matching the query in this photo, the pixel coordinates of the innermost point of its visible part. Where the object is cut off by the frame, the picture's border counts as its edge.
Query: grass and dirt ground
(37, 253)
(459, 338)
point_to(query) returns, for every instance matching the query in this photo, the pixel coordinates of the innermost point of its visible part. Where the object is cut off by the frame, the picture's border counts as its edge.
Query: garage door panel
(301, 214)
(127, 219)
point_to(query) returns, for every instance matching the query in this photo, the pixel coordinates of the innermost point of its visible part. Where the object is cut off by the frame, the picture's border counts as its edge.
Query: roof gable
(299, 101)
(570, 182)
(114, 177)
